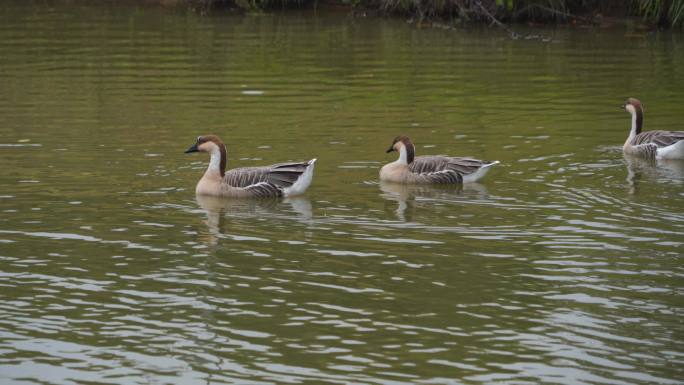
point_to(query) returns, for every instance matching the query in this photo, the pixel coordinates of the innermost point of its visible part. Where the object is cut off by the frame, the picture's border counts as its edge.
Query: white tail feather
(481, 172)
(673, 151)
(302, 183)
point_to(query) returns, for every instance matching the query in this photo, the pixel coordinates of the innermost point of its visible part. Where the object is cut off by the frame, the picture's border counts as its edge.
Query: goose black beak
(623, 106)
(192, 148)
(390, 149)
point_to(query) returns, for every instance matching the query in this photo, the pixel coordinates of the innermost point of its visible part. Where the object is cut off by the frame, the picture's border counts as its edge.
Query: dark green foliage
(661, 12)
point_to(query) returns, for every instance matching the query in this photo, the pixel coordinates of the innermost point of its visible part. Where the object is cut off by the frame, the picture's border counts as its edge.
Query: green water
(563, 265)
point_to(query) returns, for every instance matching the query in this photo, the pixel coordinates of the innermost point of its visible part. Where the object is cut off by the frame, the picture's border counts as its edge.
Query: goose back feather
(281, 175)
(434, 163)
(658, 137)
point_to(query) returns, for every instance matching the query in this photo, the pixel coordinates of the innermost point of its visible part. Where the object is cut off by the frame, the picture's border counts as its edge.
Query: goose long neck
(637, 122)
(406, 153)
(217, 163)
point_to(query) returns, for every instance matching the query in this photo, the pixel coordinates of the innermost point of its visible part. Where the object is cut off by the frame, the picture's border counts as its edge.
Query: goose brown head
(403, 141)
(210, 144)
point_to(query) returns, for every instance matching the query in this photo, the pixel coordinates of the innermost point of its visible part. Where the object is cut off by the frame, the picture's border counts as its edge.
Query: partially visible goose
(651, 144)
(283, 179)
(436, 169)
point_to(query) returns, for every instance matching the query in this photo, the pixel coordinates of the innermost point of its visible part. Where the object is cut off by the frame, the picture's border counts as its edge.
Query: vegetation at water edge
(656, 12)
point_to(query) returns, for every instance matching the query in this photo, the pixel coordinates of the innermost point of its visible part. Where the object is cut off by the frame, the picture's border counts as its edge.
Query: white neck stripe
(402, 154)
(215, 162)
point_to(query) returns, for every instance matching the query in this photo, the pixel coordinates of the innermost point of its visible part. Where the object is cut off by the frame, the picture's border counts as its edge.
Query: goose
(651, 144)
(434, 169)
(277, 180)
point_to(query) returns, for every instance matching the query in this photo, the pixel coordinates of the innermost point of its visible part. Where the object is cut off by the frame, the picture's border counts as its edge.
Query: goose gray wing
(440, 163)
(246, 176)
(254, 181)
(441, 169)
(428, 164)
(439, 177)
(267, 180)
(286, 174)
(263, 190)
(658, 137)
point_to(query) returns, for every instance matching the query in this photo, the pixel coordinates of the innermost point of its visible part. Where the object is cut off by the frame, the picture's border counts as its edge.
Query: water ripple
(562, 266)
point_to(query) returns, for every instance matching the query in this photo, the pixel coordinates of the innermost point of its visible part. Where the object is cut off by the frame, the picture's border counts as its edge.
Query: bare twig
(494, 20)
(551, 10)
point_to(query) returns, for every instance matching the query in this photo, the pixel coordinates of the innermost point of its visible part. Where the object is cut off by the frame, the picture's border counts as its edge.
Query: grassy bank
(664, 13)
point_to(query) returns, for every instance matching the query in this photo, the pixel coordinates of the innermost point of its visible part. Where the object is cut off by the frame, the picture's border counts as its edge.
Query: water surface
(564, 265)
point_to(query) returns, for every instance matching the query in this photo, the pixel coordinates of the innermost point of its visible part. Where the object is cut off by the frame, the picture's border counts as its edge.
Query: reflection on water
(412, 197)
(222, 214)
(640, 170)
(561, 266)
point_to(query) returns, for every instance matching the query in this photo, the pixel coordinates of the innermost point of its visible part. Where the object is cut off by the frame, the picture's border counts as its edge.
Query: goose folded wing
(246, 176)
(659, 138)
(465, 166)
(264, 190)
(437, 163)
(429, 164)
(441, 177)
(281, 175)
(286, 174)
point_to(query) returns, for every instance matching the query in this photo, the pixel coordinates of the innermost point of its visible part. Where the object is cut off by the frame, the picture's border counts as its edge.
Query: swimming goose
(651, 144)
(435, 169)
(282, 179)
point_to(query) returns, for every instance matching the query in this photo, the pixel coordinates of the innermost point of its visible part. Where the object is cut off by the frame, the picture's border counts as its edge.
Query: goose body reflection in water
(408, 196)
(645, 169)
(228, 216)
